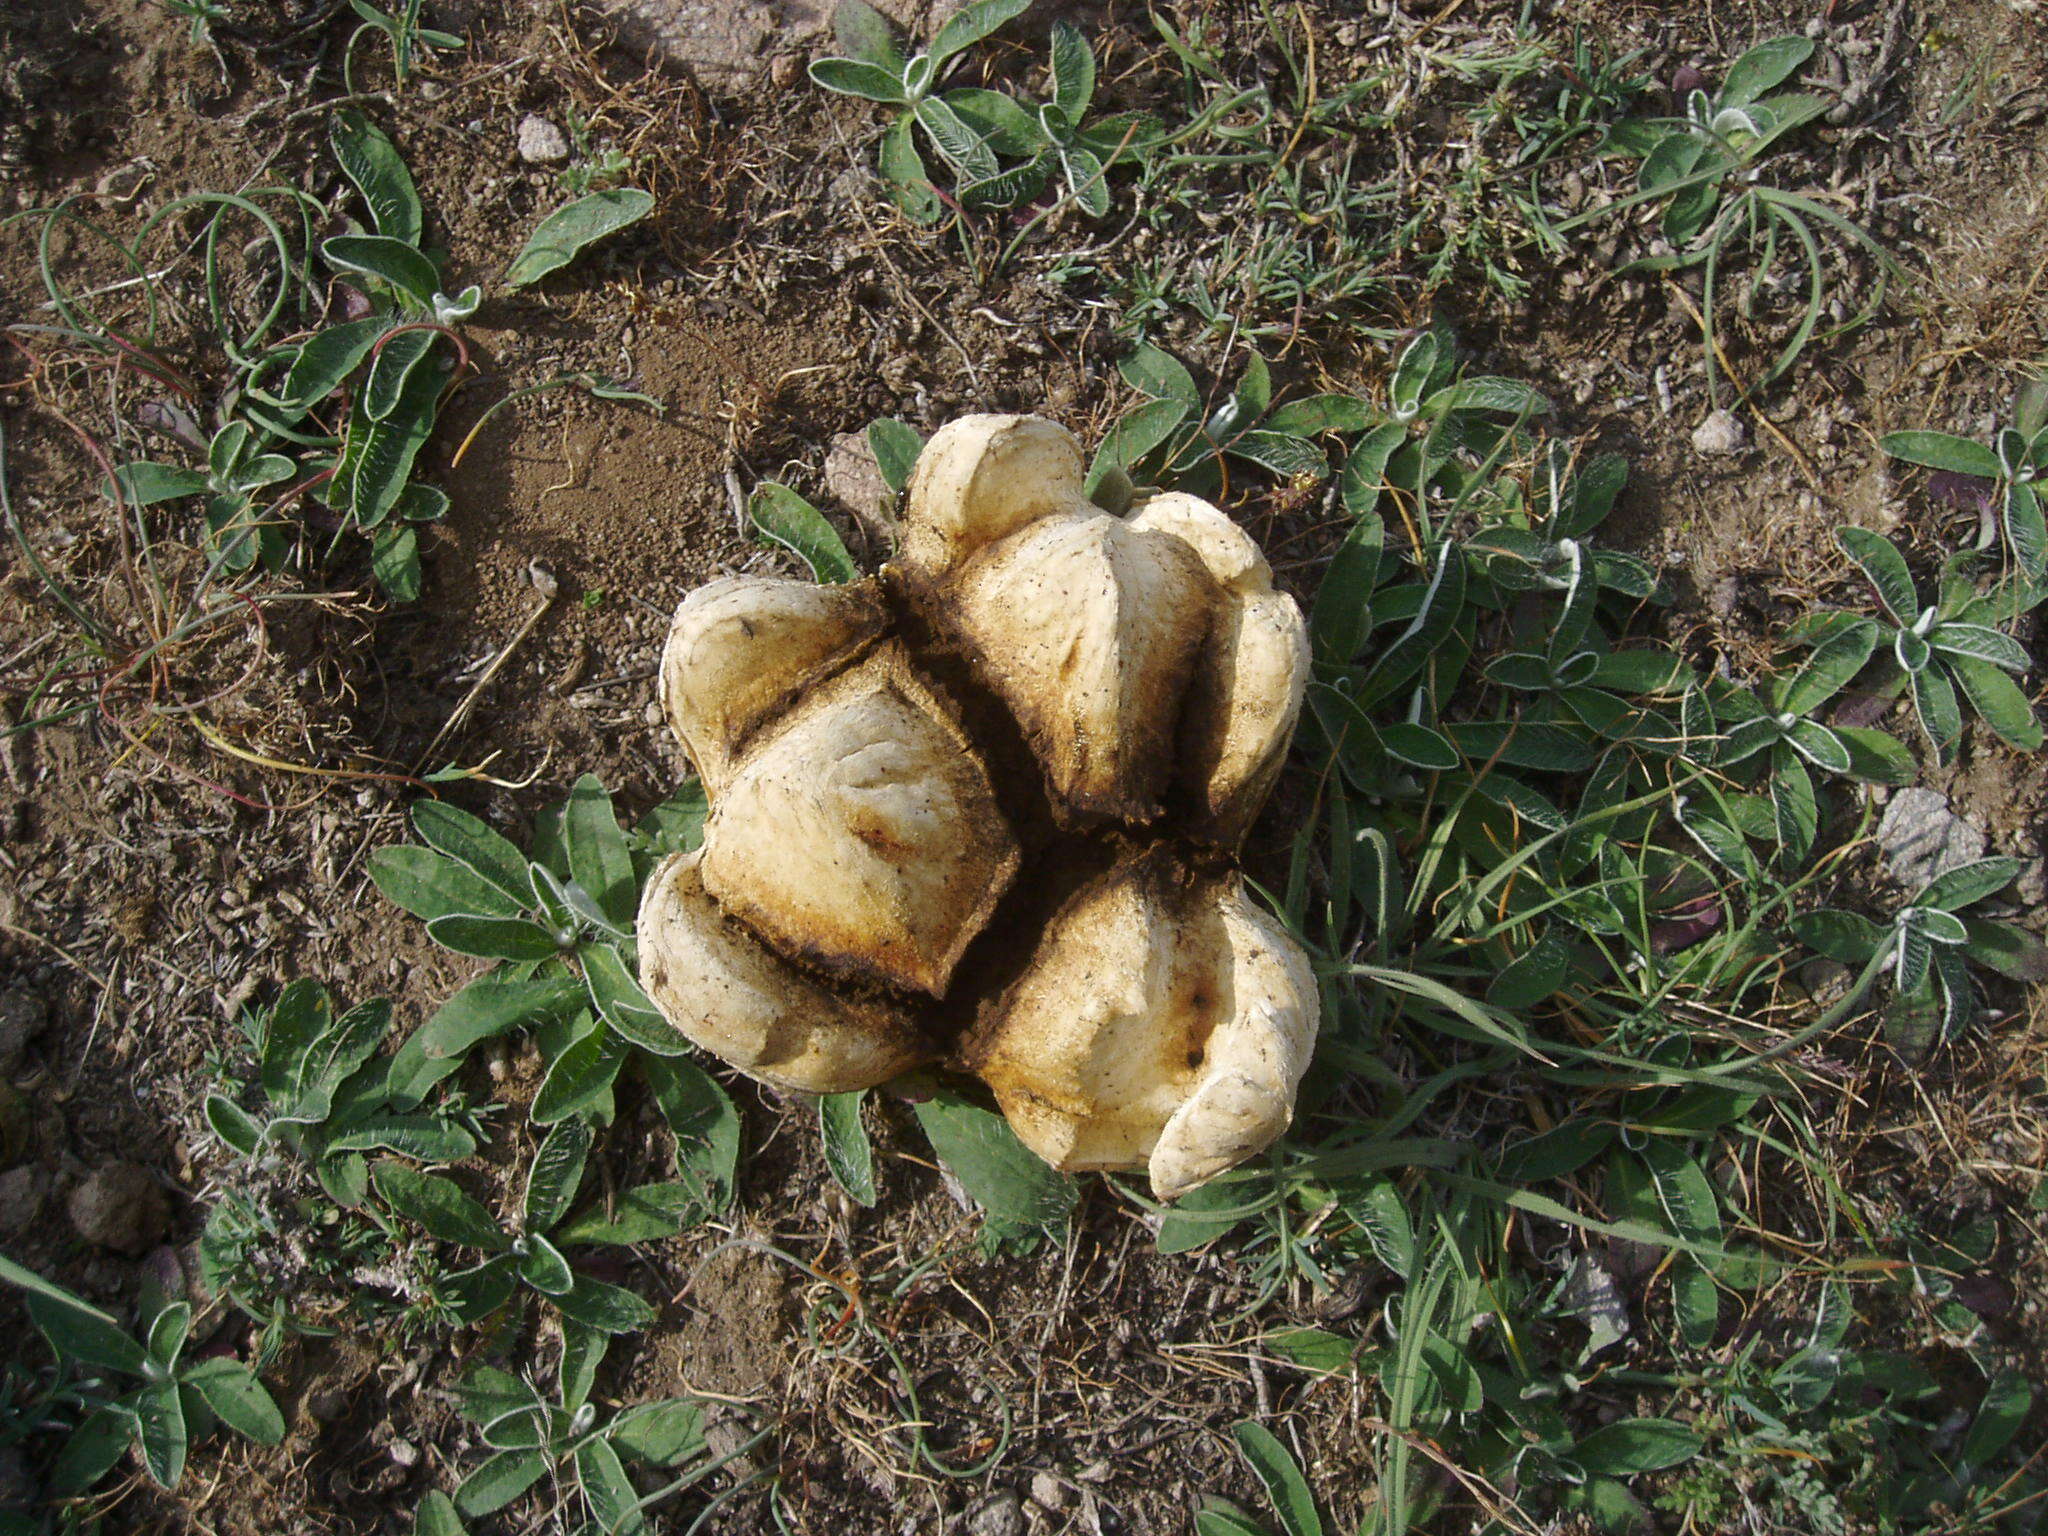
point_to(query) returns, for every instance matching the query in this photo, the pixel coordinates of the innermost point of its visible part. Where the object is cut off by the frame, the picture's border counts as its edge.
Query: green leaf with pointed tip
(1532, 975)
(1628, 1447)
(1759, 71)
(1321, 413)
(1968, 884)
(1876, 756)
(1942, 450)
(1999, 701)
(1073, 70)
(1819, 746)
(564, 234)
(613, 1501)
(493, 938)
(391, 367)
(1880, 561)
(1794, 809)
(372, 162)
(1341, 616)
(91, 1452)
(389, 261)
(957, 143)
(485, 853)
(643, 1214)
(848, 1153)
(895, 445)
(1934, 700)
(75, 1328)
(599, 859)
(864, 33)
(1280, 1477)
(661, 1433)
(232, 1125)
(1160, 376)
(1976, 642)
(380, 454)
(160, 1431)
(704, 1123)
(580, 1078)
(543, 1267)
(909, 184)
(2000, 1415)
(617, 997)
(971, 24)
(237, 1399)
(144, 483)
(1828, 668)
(329, 358)
(864, 78)
(488, 1007)
(439, 1205)
(2011, 951)
(1020, 1197)
(1365, 468)
(555, 1173)
(500, 1480)
(785, 518)
(437, 1516)
(1840, 935)
(607, 1308)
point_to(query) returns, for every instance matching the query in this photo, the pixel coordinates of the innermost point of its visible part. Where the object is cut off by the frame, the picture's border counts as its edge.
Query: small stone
(855, 479)
(541, 142)
(1920, 838)
(1000, 1514)
(22, 1192)
(120, 1207)
(1049, 1493)
(22, 1016)
(1721, 433)
(786, 71)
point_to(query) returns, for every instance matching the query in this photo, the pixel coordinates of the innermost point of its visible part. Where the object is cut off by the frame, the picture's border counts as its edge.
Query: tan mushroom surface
(983, 810)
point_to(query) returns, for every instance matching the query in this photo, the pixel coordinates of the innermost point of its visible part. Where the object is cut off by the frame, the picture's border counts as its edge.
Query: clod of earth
(983, 811)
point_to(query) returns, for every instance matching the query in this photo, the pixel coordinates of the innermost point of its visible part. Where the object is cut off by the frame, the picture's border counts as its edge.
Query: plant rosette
(983, 811)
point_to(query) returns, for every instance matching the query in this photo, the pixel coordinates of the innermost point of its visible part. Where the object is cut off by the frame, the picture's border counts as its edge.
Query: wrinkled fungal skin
(743, 646)
(1164, 1023)
(861, 834)
(743, 1003)
(1062, 918)
(1240, 712)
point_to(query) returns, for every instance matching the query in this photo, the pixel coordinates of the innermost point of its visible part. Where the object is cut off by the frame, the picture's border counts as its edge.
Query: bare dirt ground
(151, 883)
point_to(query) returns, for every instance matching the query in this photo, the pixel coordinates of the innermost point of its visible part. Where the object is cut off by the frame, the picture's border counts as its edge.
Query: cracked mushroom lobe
(1164, 1023)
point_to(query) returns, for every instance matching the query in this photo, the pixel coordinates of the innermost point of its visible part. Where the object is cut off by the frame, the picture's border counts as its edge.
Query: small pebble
(541, 142)
(1721, 433)
(120, 1207)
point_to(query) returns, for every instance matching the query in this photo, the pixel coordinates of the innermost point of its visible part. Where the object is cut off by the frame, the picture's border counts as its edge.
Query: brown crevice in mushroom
(984, 811)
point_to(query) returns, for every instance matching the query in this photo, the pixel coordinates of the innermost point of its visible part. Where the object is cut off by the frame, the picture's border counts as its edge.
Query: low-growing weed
(290, 1235)
(533, 1436)
(174, 1400)
(1709, 169)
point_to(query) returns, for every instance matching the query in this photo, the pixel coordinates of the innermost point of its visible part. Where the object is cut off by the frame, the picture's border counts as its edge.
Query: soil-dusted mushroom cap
(981, 478)
(740, 648)
(1088, 628)
(1164, 1024)
(859, 832)
(1128, 687)
(729, 994)
(1245, 698)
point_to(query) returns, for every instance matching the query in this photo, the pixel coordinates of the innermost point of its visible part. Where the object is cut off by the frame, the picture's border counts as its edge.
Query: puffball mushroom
(982, 811)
